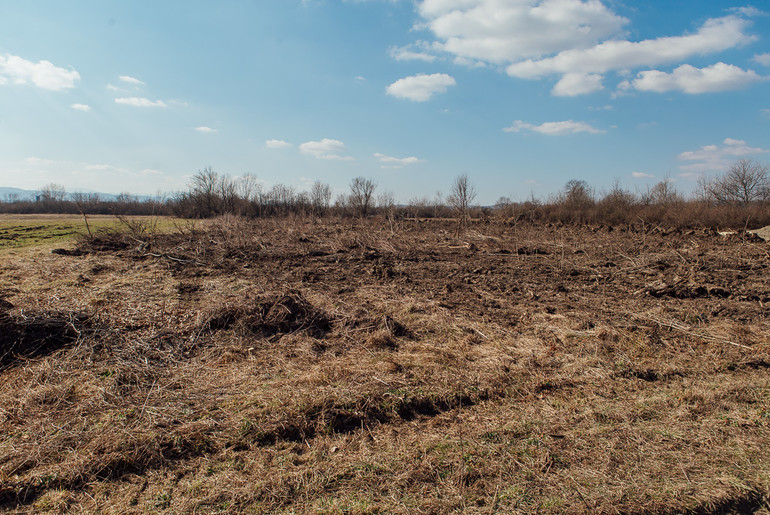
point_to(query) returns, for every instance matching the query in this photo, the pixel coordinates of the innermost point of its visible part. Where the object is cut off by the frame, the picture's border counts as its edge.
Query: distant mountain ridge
(19, 194)
(22, 194)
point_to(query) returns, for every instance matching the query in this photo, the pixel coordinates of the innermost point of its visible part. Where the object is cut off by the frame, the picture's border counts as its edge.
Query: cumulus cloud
(503, 32)
(554, 128)
(714, 35)
(692, 80)
(717, 157)
(140, 102)
(642, 175)
(331, 149)
(763, 59)
(580, 40)
(81, 107)
(206, 130)
(421, 87)
(574, 84)
(131, 80)
(396, 162)
(42, 74)
(277, 143)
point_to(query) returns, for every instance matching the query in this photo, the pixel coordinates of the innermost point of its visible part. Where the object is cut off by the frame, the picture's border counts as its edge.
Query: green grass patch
(18, 231)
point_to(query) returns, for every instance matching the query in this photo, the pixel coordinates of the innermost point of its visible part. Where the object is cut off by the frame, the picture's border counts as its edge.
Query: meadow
(346, 365)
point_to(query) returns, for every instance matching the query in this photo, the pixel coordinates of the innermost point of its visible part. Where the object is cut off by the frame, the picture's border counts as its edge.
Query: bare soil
(310, 366)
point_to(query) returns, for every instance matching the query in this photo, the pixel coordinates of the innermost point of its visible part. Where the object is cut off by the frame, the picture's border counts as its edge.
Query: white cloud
(113, 88)
(206, 130)
(81, 107)
(747, 11)
(37, 161)
(506, 31)
(420, 88)
(140, 102)
(414, 52)
(765, 112)
(131, 80)
(42, 74)
(331, 149)
(688, 79)
(103, 168)
(396, 162)
(554, 128)
(277, 143)
(717, 157)
(574, 84)
(578, 39)
(642, 175)
(715, 35)
(763, 59)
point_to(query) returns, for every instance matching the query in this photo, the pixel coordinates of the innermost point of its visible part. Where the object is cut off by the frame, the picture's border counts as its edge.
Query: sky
(520, 95)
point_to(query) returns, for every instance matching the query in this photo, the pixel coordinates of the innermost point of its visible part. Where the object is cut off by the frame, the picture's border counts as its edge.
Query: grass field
(18, 231)
(339, 366)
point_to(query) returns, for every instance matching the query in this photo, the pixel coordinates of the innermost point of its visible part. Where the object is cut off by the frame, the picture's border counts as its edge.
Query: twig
(172, 258)
(686, 330)
(147, 398)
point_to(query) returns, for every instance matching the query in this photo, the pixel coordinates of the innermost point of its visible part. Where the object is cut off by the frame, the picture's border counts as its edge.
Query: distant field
(18, 231)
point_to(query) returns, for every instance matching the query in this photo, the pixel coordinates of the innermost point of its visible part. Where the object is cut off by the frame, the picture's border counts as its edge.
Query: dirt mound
(685, 291)
(271, 315)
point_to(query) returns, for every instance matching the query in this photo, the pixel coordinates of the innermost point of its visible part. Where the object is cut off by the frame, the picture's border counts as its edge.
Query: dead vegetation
(342, 367)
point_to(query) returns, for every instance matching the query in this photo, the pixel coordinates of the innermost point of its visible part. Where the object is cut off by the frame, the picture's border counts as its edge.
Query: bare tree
(461, 196)
(386, 201)
(248, 187)
(227, 190)
(361, 194)
(577, 195)
(281, 199)
(746, 182)
(320, 197)
(204, 192)
(52, 192)
(664, 193)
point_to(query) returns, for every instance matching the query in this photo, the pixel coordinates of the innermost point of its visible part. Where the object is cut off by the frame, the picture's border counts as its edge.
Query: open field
(339, 366)
(17, 231)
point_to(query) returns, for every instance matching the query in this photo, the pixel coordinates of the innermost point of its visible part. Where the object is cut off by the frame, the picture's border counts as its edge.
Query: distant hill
(19, 193)
(7, 193)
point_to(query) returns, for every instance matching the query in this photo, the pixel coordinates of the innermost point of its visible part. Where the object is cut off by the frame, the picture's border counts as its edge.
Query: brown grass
(340, 367)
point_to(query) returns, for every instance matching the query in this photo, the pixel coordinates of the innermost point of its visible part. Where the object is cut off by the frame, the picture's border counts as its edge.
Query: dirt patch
(36, 334)
(270, 316)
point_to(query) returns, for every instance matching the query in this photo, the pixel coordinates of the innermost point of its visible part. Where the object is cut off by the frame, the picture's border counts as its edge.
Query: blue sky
(522, 95)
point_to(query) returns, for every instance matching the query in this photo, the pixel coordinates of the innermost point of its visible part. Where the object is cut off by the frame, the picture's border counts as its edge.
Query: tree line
(737, 198)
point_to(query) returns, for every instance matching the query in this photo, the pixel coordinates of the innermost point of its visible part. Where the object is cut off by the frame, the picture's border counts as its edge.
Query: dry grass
(340, 367)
